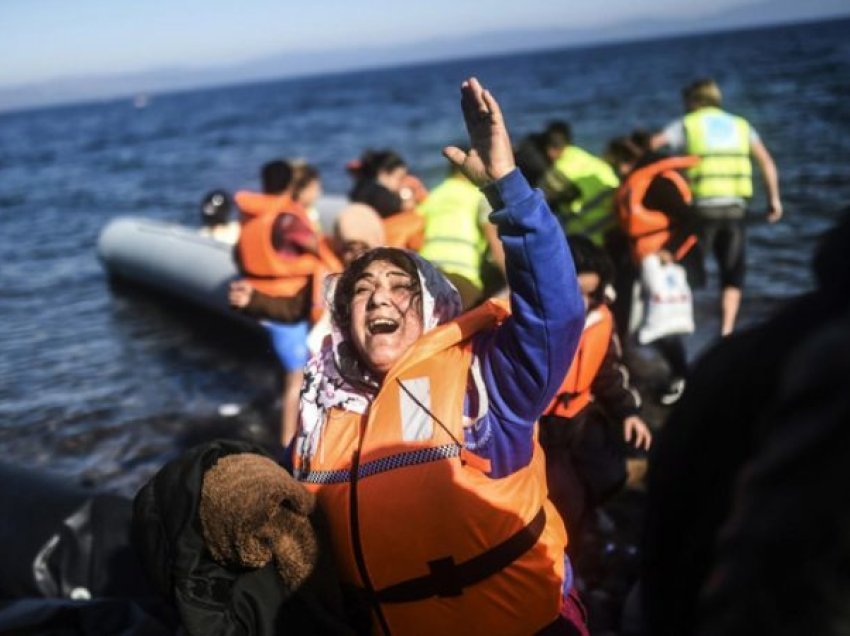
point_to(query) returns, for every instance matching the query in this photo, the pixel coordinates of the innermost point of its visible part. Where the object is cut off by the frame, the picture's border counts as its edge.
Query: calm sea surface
(104, 384)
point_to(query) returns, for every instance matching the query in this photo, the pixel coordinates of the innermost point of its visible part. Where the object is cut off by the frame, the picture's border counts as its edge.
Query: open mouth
(382, 326)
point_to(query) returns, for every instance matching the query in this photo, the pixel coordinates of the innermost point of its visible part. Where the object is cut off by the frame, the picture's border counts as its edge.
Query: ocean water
(103, 384)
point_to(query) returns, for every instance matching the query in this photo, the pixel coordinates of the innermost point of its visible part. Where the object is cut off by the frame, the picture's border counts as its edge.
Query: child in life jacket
(584, 465)
(280, 255)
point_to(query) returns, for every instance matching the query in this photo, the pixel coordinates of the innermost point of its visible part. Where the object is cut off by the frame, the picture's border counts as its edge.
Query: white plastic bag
(669, 307)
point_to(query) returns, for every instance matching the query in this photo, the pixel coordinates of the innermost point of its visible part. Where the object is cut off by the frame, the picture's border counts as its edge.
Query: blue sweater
(524, 361)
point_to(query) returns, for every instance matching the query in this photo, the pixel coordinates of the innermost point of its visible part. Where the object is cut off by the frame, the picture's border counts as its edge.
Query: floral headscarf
(335, 377)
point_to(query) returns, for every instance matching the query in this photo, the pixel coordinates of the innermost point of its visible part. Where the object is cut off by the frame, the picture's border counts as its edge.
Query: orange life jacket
(441, 547)
(405, 230)
(264, 268)
(574, 393)
(649, 229)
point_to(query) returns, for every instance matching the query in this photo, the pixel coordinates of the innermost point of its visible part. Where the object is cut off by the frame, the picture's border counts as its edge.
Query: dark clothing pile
(210, 598)
(67, 565)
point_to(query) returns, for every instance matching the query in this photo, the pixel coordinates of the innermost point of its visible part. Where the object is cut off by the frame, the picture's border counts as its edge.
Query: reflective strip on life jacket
(438, 545)
(574, 394)
(722, 141)
(649, 230)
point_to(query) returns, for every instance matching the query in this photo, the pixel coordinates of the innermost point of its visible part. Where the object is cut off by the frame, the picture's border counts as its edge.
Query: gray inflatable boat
(178, 261)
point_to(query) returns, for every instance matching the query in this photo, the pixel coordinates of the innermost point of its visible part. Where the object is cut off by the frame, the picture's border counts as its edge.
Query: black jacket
(210, 598)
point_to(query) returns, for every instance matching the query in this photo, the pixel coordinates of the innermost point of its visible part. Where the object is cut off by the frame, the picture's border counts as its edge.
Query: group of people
(413, 398)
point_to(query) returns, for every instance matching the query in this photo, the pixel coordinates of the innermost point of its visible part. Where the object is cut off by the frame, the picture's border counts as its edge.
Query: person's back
(590, 214)
(454, 241)
(536, 155)
(721, 182)
(722, 141)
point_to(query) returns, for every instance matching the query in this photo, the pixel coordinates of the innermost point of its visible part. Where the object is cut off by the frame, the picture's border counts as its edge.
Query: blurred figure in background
(591, 213)
(458, 234)
(280, 254)
(654, 211)
(216, 207)
(585, 459)
(722, 183)
(307, 188)
(383, 182)
(536, 156)
(378, 179)
(357, 229)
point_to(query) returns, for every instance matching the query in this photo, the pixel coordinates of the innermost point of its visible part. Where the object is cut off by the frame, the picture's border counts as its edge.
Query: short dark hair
(558, 134)
(276, 176)
(590, 258)
(341, 305)
(215, 208)
(373, 162)
(623, 150)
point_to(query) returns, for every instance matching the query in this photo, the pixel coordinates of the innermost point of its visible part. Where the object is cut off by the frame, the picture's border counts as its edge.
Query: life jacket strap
(447, 578)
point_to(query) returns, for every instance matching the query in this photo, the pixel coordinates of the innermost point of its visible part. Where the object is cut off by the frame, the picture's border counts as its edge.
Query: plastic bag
(669, 307)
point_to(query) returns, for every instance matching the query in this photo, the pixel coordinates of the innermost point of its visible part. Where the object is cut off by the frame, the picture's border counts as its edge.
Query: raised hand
(490, 156)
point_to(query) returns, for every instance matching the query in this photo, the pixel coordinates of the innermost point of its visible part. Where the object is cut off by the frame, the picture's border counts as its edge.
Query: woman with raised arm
(417, 428)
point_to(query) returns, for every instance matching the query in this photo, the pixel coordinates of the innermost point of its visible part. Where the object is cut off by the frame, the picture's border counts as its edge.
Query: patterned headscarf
(335, 376)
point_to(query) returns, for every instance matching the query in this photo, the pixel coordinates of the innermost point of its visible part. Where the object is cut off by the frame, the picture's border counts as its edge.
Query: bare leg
(730, 302)
(289, 407)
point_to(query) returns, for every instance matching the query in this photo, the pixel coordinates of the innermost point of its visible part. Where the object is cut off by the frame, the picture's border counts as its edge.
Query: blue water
(100, 384)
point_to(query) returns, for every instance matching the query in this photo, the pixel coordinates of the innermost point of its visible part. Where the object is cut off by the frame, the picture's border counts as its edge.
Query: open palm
(490, 156)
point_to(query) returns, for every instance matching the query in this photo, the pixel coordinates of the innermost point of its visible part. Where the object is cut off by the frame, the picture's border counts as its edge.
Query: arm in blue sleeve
(524, 361)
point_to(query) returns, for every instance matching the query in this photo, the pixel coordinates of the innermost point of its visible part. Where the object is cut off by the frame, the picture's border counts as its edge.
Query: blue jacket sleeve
(524, 361)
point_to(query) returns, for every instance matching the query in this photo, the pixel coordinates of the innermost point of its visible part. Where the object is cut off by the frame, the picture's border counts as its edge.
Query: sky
(48, 40)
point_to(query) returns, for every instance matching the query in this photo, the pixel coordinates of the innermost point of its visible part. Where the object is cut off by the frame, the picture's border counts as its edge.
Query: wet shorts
(290, 343)
(724, 237)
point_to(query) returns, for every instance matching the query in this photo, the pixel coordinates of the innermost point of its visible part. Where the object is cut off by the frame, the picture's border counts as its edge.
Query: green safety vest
(722, 141)
(454, 241)
(592, 214)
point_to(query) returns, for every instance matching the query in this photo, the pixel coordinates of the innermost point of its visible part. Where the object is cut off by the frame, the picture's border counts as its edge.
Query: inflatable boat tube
(178, 261)
(170, 259)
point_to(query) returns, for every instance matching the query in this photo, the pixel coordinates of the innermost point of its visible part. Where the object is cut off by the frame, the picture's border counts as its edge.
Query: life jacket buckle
(445, 577)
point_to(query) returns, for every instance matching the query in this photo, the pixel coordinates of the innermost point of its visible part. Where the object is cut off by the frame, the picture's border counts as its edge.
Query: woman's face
(392, 179)
(386, 317)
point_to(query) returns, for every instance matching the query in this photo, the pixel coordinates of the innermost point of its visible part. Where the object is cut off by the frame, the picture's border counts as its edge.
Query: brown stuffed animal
(252, 510)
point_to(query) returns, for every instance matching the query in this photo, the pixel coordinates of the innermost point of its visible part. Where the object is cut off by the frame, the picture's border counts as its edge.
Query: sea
(100, 384)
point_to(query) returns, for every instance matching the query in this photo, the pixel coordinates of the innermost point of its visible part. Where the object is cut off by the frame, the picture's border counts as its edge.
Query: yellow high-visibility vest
(454, 241)
(723, 142)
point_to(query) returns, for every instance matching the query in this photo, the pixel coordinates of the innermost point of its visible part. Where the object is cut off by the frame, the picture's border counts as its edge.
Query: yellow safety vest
(453, 238)
(592, 213)
(723, 142)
